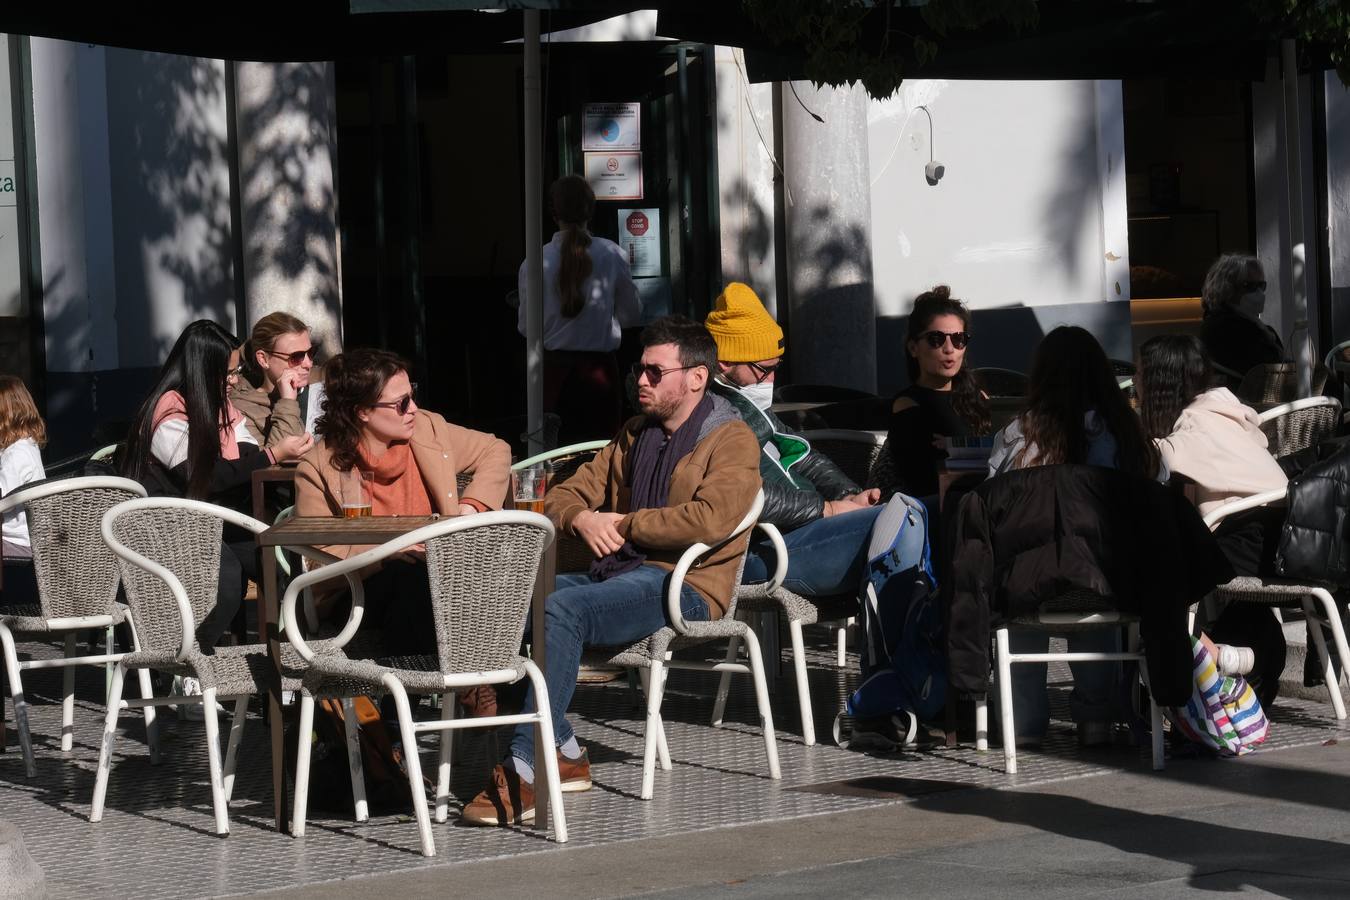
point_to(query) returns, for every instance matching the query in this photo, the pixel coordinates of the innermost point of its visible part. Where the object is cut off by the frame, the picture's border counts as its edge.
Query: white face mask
(759, 394)
(1252, 304)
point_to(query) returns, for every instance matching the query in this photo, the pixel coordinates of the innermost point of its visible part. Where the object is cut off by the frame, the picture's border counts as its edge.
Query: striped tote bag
(1223, 713)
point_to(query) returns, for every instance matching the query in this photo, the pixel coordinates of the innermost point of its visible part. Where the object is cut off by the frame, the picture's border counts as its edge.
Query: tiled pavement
(157, 835)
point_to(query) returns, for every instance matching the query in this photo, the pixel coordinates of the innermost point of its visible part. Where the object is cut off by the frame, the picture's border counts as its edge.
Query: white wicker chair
(168, 552)
(653, 657)
(482, 570)
(1278, 592)
(1300, 424)
(77, 586)
(1078, 611)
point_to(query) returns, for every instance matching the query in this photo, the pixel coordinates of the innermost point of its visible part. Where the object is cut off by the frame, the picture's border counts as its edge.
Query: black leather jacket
(1313, 541)
(794, 494)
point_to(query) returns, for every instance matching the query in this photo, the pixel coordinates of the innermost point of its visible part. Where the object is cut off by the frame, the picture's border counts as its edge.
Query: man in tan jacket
(685, 471)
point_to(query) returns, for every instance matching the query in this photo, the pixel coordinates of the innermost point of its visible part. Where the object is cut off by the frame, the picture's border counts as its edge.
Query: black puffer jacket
(1313, 542)
(1030, 536)
(796, 484)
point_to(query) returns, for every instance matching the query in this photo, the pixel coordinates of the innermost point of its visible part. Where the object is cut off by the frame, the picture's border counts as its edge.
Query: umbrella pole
(534, 263)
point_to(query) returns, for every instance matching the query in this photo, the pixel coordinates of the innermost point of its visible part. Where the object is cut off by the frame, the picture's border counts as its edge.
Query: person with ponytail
(188, 440)
(943, 398)
(589, 297)
(274, 393)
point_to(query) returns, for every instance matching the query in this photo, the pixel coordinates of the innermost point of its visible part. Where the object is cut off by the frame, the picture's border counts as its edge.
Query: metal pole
(1301, 346)
(534, 241)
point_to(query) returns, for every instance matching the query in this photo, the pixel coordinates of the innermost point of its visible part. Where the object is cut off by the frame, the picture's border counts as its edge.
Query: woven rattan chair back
(76, 571)
(1300, 429)
(187, 543)
(1274, 383)
(482, 580)
(854, 456)
(882, 474)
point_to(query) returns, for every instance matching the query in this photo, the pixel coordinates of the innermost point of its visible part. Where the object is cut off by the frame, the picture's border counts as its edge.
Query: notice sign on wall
(611, 126)
(640, 238)
(615, 176)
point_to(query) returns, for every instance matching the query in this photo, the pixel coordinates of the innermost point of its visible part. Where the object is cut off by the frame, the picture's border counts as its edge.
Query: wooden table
(281, 473)
(322, 531)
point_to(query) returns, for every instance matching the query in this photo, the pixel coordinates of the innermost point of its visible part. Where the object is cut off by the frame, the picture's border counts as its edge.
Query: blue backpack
(904, 669)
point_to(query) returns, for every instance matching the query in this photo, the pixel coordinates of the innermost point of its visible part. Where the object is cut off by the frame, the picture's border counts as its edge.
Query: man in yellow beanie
(825, 518)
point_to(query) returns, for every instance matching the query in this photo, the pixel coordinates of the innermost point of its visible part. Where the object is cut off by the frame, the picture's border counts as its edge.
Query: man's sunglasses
(763, 372)
(936, 339)
(655, 373)
(296, 358)
(400, 405)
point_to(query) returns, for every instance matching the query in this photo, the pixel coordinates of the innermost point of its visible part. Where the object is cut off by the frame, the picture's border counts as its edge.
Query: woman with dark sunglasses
(1235, 337)
(943, 398)
(412, 457)
(274, 392)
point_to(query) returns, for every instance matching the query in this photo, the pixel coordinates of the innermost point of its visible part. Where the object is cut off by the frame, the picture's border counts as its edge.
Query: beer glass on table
(356, 497)
(530, 485)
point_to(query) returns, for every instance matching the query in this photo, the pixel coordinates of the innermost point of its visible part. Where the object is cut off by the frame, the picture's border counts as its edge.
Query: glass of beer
(355, 486)
(530, 484)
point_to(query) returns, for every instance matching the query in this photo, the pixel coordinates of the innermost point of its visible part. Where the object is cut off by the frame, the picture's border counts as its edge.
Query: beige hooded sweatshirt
(1218, 444)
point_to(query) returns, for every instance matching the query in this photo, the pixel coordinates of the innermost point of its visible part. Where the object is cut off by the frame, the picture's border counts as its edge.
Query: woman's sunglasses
(936, 339)
(296, 358)
(400, 405)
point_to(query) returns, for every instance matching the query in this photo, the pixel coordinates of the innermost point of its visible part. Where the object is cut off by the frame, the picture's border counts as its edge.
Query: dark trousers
(239, 563)
(585, 391)
(398, 602)
(1249, 540)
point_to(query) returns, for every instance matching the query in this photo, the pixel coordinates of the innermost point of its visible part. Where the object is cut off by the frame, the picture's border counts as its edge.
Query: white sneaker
(187, 686)
(1235, 660)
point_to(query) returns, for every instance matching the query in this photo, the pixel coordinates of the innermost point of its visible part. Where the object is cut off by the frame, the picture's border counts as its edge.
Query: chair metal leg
(414, 763)
(443, 764)
(68, 694)
(106, 745)
(656, 683)
(1320, 642)
(1005, 702)
(232, 747)
(545, 725)
(1333, 614)
(762, 698)
(20, 704)
(982, 724)
(110, 643)
(724, 685)
(147, 692)
(355, 765)
(218, 801)
(841, 654)
(306, 730)
(803, 687)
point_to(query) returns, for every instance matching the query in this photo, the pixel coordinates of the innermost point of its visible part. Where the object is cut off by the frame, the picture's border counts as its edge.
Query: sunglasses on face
(655, 373)
(1254, 286)
(401, 405)
(763, 372)
(297, 358)
(936, 339)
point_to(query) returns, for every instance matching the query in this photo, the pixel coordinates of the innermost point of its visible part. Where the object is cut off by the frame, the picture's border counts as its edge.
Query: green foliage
(1323, 22)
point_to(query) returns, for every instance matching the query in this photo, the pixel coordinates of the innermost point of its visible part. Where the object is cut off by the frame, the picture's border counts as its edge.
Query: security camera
(934, 171)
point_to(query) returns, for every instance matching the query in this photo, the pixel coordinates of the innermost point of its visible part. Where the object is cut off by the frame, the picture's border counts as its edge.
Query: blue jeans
(1096, 685)
(825, 557)
(582, 613)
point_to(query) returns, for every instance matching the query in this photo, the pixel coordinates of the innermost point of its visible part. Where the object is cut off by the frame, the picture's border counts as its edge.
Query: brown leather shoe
(505, 801)
(575, 774)
(479, 701)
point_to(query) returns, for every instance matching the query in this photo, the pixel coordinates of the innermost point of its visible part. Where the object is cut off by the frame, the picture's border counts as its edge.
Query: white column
(288, 194)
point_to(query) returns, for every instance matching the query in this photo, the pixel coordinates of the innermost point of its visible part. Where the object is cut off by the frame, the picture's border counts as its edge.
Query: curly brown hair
(353, 381)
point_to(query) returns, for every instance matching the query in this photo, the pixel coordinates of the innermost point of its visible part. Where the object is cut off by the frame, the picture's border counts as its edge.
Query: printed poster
(615, 176)
(640, 238)
(611, 126)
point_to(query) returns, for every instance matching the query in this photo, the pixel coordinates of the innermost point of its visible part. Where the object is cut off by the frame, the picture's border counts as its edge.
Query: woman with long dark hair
(589, 297)
(188, 440)
(943, 398)
(1076, 413)
(410, 459)
(1213, 445)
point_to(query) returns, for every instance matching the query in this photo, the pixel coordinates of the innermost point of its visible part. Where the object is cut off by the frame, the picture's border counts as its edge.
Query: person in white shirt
(23, 434)
(589, 298)
(188, 440)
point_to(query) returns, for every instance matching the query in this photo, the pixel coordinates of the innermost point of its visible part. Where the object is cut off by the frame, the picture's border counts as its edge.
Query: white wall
(1031, 209)
(1338, 201)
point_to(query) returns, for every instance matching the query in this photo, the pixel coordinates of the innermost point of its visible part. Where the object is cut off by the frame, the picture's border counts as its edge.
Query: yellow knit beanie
(743, 329)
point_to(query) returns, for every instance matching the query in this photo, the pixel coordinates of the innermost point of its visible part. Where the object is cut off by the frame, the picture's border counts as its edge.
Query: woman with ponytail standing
(589, 297)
